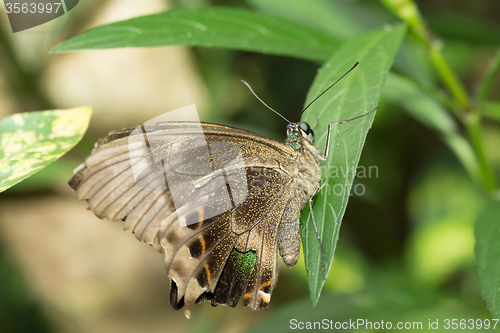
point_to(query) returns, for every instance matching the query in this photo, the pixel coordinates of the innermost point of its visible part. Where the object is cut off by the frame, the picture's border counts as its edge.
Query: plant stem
(408, 11)
(448, 76)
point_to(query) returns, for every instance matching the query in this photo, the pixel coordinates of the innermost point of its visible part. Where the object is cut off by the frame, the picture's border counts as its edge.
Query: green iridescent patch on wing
(245, 261)
(32, 140)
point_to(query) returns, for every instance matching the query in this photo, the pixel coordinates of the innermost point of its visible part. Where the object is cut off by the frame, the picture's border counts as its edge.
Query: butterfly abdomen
(289, 231)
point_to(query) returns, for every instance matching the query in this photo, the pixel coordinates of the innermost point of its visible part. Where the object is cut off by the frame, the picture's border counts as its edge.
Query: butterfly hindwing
(214, 246)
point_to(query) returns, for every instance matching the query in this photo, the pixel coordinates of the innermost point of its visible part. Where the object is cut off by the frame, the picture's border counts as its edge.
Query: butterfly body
(307, 178)
(211, 253)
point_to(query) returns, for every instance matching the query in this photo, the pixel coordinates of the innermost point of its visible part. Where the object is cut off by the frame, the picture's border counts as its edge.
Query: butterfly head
(296, 132)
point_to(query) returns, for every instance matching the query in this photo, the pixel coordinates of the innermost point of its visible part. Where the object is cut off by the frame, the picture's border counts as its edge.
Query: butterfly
(219, 202)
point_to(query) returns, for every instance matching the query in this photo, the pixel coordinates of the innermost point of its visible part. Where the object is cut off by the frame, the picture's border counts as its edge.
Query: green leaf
(488, 256)
(32, 140)
(347, 19)
(406, 93)
(210, 27)
(330, 16)
(53, 176)
(356, 94)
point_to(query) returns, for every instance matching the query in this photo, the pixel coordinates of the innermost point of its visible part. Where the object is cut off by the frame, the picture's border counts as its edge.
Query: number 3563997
(32, 8)
(470, 324)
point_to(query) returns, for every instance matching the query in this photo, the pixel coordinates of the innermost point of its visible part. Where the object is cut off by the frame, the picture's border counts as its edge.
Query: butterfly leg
(317, 233)
(341, 122)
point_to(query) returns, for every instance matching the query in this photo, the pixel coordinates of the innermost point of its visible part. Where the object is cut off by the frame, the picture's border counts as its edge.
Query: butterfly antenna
(270, 108)
(314, 100)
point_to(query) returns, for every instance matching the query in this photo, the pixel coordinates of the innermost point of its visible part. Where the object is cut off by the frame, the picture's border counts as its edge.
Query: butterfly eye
(305, 127)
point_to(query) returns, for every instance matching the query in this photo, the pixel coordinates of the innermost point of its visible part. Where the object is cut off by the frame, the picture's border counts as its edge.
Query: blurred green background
(406, 250)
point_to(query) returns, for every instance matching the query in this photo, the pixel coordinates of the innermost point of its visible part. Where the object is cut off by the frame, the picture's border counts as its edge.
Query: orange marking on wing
(202, 242)
(265, 297)
(265, 284)
(200, 217)
(207, 270)
(247, 295)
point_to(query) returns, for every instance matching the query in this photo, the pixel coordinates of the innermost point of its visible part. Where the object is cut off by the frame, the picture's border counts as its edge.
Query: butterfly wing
(212, 206)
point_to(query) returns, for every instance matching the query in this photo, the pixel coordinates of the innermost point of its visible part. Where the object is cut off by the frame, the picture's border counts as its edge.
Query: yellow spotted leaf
(32, 140)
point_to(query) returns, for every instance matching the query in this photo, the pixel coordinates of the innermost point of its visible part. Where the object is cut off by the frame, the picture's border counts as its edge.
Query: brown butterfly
(219, 202)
